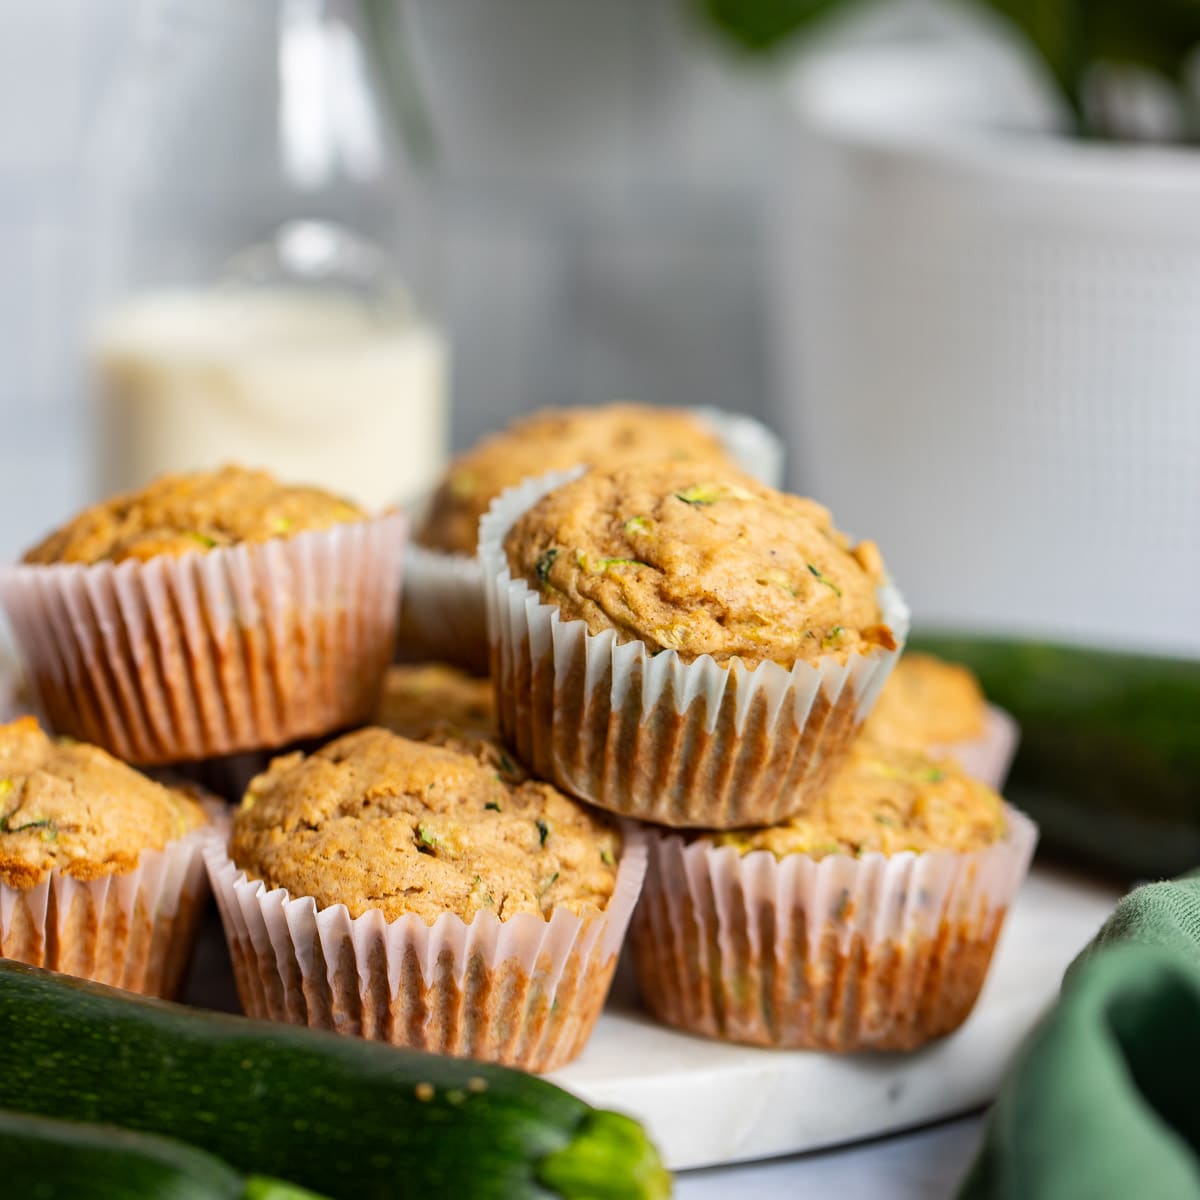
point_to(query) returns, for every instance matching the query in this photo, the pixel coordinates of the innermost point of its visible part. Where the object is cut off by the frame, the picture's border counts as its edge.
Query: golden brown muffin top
(439, 704)
(418, 696)
(68, 806)
(886, 799)
(555, 440)
(374, 820)
(687, 557)
(926, 703)
(183, 514)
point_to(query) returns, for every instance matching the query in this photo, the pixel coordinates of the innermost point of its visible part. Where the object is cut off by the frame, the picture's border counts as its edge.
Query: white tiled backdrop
(604, 163)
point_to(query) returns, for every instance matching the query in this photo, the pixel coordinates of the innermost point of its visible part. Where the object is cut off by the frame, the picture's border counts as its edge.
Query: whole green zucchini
(40, 1157)
(342, 1116)
(1109, 760)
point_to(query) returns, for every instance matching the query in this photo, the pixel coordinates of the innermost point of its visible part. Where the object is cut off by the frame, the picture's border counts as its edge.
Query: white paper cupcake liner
(689, 744)
(525, 992)
(133, 930)
(754, 447)
(444, 616)
(836, 953)
(212, 653)
(989, 756)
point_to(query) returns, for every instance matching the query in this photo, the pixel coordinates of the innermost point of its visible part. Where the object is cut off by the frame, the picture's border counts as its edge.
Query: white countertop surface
(927, 1164)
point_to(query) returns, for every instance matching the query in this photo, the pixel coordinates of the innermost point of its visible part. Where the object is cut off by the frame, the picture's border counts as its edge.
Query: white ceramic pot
(987, 352)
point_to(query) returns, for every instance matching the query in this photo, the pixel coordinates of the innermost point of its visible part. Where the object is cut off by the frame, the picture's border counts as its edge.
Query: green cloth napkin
(1103, 1101)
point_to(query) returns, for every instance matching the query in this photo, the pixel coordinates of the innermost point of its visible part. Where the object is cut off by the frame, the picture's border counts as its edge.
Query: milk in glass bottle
(265, 251)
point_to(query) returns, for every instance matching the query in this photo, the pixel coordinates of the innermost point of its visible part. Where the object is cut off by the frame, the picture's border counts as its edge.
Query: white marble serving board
(708, 1102)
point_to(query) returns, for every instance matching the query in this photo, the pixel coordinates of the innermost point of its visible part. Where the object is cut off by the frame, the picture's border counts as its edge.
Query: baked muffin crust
(196, 512)
(374, 820)
(441, 705)
(927, 702)
(420, 696)
(702, 560)
(886, 799)
(69, 806)
(553, 440)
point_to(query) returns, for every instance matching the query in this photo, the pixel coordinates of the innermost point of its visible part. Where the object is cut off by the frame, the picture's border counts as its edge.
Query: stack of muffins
(684, 646)
(444, 614)
(207, 615)
(682, 662)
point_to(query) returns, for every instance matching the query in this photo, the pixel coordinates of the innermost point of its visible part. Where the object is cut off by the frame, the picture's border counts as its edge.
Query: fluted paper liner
(444, 615)
(988, 756)
(689, 744)
(754, 447)
(133, 930)
(837, 953)
(238, 648)
(525, 992)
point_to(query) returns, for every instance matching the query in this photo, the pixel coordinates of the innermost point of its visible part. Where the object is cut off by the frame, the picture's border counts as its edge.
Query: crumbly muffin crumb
(555, 440)
(701, 560)
(69, 806)
(886, 799)
(196, 512)
(374, 820)
(927, 702)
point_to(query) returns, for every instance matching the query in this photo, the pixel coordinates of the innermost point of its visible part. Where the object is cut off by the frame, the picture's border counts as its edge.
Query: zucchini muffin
(702, 648)
(186, 514)
(867, 922)
(937, 706)
(209, 614)
(557, 439)
(99, 866)
(440, 704)
(376, 821)
(419, 698)
(927, 702)
(701, 562)
(885, 800)
(429, 901)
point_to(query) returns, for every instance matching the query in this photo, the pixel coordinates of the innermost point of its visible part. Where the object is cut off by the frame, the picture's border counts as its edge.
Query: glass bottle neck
(264, 123)
(331, 121)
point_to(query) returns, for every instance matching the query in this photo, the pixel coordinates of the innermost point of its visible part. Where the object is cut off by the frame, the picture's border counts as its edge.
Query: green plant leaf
(1073, 37)
(764, 25)
(1055, 30)
(1158, 35)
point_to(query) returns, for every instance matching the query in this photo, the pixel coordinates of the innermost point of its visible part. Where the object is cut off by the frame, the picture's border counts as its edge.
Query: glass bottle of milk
(265, 251)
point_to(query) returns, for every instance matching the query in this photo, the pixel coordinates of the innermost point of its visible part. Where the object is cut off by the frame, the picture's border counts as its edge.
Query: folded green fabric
(1103, 1101)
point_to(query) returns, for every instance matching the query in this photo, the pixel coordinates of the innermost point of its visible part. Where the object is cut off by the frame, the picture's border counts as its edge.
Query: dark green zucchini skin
(341, 1116)
(1109, 761)
(44, 1159)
